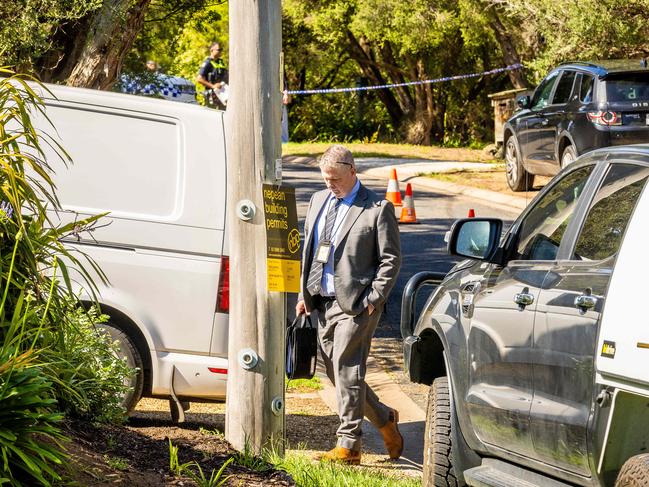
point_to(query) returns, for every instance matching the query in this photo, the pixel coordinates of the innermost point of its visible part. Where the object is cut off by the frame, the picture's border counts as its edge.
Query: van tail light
(223, 293)
(218, 370)
(605, 118)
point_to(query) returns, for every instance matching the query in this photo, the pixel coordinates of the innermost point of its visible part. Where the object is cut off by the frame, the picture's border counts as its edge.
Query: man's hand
(370, 308)
(300, 308)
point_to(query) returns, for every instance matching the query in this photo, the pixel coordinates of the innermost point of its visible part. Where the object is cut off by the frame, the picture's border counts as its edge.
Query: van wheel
(635, 472)
(438, 455)
(128, 351)
(518, 178)
(568, 157)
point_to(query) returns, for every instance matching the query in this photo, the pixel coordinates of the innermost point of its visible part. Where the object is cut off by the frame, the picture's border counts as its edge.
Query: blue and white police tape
(511, 67)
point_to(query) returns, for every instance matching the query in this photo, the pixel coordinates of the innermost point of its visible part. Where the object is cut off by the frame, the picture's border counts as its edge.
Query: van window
(138, 158)
(610, 212)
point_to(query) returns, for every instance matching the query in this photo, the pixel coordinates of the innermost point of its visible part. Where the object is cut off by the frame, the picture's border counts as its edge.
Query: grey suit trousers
(345, 345)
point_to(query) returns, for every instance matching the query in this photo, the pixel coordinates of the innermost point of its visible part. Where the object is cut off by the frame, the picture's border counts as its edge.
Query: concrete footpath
(411, 171)
(411, 419)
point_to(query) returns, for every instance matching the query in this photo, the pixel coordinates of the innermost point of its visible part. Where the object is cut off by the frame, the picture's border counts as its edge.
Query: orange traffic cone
(408, 214)
(471, 213)
(393, 194)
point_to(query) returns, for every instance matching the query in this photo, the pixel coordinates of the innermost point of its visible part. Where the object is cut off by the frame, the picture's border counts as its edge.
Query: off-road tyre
(129, 352)
(635, 472)
(438, 455)
(517, 176)
(568, 156)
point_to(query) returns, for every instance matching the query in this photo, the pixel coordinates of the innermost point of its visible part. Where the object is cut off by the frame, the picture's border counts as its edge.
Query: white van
(159, 168)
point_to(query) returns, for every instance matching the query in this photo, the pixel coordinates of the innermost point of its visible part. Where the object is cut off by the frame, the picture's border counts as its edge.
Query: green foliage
(304, 385)
(29, 433)
(53, 361)
(177, 36)
(194, 471)
(325, 474)
(90, 375)
(27, 27)
(583, 30)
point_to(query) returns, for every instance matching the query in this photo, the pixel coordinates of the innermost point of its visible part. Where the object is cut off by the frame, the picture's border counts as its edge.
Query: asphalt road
(423, 246)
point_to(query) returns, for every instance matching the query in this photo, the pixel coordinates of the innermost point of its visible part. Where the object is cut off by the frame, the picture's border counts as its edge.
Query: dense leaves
(339, 43)
(52, 359)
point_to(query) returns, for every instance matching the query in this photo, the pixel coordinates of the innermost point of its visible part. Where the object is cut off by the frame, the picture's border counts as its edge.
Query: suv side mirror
(523, 101)
(475, 238)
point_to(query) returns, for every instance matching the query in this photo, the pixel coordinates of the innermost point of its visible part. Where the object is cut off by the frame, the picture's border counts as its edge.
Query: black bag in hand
(301, 348)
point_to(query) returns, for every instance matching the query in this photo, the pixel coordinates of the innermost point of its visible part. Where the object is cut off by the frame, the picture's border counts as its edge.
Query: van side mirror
(475, 238)
(523, 101)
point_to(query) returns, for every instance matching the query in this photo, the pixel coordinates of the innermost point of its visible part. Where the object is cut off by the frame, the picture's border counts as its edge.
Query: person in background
(213, 75)
(286, 99)
(152, 66)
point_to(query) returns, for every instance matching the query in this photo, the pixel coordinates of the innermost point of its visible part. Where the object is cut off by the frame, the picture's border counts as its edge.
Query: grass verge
(399, 151)
(490, 180)
(308, 473)
(303, 385)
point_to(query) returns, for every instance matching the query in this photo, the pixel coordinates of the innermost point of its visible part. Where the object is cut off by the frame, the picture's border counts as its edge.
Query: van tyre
(438, 454)
(518, 178)
(568, 156)
(635, 472)
(129, 352)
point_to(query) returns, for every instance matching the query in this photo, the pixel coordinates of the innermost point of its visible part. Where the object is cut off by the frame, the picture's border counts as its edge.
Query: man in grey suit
(350, 263)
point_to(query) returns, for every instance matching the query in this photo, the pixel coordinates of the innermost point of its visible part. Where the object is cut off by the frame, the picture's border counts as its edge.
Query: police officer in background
(213, 74)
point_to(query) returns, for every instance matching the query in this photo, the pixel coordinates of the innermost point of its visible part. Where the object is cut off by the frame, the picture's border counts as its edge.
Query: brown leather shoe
(341, 455)
(391, 436)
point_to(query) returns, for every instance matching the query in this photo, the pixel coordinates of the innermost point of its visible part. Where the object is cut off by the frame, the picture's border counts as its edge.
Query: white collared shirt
(327, 284)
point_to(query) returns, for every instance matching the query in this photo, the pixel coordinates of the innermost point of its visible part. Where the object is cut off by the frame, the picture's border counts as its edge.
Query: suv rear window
(627, 87)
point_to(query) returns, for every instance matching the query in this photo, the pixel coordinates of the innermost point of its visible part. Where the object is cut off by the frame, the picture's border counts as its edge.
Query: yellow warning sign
(283, 275)
(282, 239)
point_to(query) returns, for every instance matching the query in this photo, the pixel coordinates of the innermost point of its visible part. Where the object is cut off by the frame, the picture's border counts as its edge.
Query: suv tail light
(223, 292)
(605, 118)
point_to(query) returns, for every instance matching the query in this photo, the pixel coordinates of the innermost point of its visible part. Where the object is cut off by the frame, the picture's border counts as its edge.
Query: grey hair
(336, 155)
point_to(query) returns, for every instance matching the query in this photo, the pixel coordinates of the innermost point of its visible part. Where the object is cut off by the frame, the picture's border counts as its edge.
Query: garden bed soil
(137, 454)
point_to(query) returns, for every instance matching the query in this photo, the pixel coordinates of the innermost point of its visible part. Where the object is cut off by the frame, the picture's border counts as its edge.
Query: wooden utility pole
(255, 395)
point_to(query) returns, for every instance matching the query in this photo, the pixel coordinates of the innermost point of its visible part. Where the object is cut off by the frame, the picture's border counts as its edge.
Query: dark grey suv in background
(578, 107)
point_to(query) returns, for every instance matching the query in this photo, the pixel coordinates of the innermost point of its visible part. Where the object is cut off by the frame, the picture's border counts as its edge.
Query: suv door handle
(524, 298)
(586, 301)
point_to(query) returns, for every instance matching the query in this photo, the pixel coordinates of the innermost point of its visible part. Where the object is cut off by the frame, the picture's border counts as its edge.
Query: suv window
(564, 88)
(541, 231)
(610, 212)
(586, 89)
(542, 93)
(627, 87)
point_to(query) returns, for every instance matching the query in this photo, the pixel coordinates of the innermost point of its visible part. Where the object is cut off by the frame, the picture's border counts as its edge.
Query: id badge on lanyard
(323, 251)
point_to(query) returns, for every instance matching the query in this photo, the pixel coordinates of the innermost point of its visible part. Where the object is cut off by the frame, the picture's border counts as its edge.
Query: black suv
(578, 107)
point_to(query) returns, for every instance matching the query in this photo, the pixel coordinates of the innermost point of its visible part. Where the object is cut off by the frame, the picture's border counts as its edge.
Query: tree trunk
(371, 70)
(510, 54)
(89, 53)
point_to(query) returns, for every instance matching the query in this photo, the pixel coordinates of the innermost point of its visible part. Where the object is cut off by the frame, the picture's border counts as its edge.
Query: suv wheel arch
(431, 356)
(564, 142)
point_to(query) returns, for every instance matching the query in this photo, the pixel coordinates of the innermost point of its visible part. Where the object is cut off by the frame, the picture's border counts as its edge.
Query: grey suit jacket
(367, 256)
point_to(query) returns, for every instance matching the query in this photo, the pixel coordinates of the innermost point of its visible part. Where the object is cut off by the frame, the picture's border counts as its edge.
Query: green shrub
(29, 433)
(52, 360)
(90, 377)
